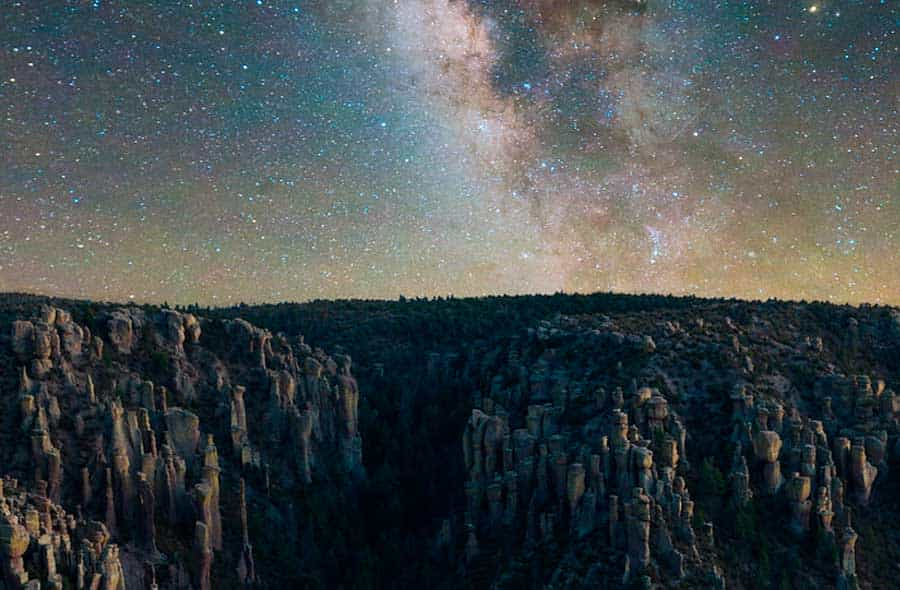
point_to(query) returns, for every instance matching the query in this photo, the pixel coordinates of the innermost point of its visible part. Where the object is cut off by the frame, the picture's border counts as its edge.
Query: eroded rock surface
(109, 446)
(560, 442)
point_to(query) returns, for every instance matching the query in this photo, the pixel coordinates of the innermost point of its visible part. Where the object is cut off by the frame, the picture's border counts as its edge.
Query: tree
(712, 482)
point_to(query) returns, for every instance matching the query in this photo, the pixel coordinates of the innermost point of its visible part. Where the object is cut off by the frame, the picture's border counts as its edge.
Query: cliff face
(618, 442)
(114, 477)
(564, 442)
(704, 447)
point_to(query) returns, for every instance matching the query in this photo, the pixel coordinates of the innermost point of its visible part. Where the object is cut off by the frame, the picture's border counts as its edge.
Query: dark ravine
(594, 441)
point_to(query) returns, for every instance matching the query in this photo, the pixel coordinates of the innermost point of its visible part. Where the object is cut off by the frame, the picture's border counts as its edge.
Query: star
(261, 151)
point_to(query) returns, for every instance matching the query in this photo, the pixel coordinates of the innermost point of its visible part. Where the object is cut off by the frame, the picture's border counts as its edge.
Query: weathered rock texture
(562, 442)
(120, 428)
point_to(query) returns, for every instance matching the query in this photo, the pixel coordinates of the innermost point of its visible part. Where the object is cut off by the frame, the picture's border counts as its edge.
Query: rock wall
(561, 460)
(89, 429)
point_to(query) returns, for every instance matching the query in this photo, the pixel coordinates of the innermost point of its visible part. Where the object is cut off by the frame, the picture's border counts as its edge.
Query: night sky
(218, 152)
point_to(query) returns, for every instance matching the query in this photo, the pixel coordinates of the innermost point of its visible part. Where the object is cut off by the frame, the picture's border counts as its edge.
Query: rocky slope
(113, 476)
(533, 442)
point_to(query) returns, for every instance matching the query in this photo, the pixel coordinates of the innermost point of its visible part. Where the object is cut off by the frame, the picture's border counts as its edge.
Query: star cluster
(217, 152)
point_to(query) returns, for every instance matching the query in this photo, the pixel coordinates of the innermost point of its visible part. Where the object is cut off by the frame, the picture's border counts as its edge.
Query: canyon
(564, 441)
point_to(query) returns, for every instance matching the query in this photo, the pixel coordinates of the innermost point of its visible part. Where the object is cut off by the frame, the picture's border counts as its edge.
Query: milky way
(217, 152)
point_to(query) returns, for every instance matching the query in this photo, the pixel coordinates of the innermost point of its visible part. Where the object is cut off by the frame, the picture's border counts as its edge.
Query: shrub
(159, 359)
(712, 482)
(746, 526)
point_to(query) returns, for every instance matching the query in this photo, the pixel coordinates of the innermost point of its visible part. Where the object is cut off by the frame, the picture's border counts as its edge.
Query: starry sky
(218, 152)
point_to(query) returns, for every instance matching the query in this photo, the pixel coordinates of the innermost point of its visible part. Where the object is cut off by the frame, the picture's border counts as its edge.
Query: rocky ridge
(136, 463)
(566, 461)
(559, 442)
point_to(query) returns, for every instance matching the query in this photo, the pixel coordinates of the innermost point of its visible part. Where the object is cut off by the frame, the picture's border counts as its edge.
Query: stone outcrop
(847, 579)
(123, 327)
(246, 569)
(144, 447)
(141, 466)
(183, 429)
(31, 524)
(207, 494)
(637, 525)
(203, 557)
(862, 473)
(799, 488)
(540, 474)
(767, 446)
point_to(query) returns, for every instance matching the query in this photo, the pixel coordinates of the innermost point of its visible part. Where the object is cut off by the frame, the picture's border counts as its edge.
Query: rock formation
(145, 448)
(767, 446)
(142, 467)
